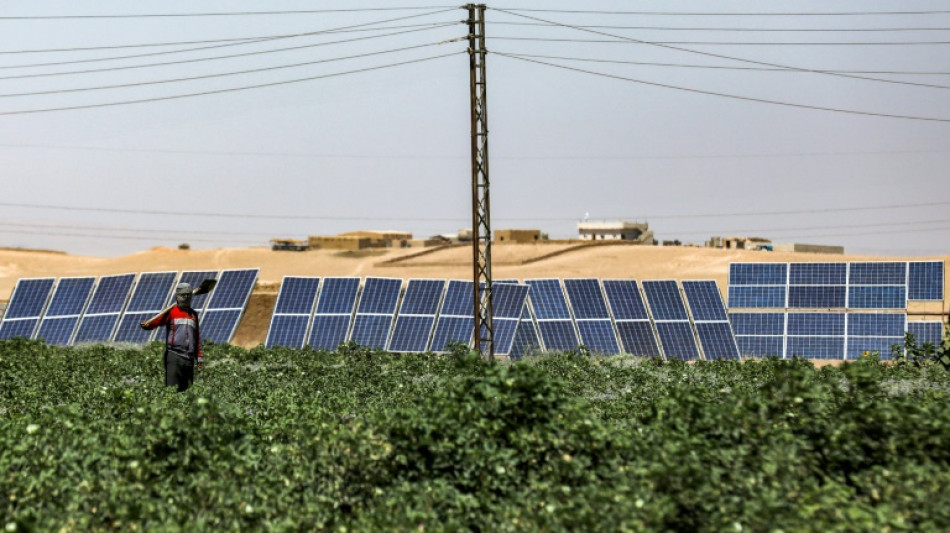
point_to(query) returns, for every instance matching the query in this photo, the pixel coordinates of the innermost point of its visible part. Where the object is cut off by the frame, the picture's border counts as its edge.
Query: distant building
(518, 235)
(358, 240)
(760, 243)
(809, 248)
(638, 232)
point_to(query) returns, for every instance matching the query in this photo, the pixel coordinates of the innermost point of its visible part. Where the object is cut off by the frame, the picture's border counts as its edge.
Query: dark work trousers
(179, 372)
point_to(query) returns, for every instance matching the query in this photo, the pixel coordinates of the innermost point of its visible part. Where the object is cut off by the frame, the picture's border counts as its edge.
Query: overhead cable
(725, 14)
(721, 29)
(227, 90)
(722, 43)
(222, 13)
(721, 56)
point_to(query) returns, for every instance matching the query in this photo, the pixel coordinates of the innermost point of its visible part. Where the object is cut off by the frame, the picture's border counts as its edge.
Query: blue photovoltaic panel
(194, 278)
(817, 296)
(925, 280)
(526, 341)
(877, 273)
(148, 298)
(508, 301)
(818, 273)
(874, 332)
(677, 340)
(759, 334)
(815, 335)
(65, 307)
(553, 315)
(233, 289)
(638, 338)
(877, 297)
(717, 340)
(623, 296)
(99, 321)
(20, 327)
(757, 296)
(665, 300)
(591, 315)
(291, 318)
(547, 299)
(375, 311)
(926, 332)
(287, 330)
(455, 322)
(226, 304)
(218, 325)
(29, 298)
(57, 331)
(758, 274)
(758, 323)
(705, 301)
(416, 316)
(297, 295)
(335, 306)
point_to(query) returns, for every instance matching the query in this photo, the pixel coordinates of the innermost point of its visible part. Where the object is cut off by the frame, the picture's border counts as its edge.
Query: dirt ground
(519, 261)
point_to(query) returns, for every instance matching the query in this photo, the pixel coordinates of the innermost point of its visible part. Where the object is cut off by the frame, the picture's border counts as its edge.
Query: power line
(720, 14)
(722, 29)
(284, 216)
(219, 75)
(200, 48)
(710, 54)
(238, 40)
(118, 237)
(762, 69)
(222, 13)
(726, 95)
(228, 90)
(721, 43)
(163, 231)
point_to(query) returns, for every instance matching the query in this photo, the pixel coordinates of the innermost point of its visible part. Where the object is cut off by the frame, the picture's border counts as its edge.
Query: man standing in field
(182, 339)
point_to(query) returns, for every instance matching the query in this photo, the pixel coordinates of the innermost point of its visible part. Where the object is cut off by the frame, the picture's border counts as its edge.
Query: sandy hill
(519, 261)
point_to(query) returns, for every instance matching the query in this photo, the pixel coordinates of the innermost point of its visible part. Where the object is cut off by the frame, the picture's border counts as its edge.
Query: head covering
(183, 294)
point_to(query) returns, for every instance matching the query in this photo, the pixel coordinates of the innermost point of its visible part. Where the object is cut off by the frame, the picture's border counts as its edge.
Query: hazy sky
(644, 110)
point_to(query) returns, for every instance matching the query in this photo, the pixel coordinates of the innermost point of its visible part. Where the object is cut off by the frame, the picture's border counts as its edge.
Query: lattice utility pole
(481, 215)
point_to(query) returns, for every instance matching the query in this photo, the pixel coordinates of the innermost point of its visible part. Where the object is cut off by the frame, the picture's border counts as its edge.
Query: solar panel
(634, 329)
(757, 297)
(455, 322)
(671, 320)
(817, 273)
(25, 307)
(508, 301)
(552, 314)
(925, 280)
(815, 335)
(926, 332)
(148, 298)
(226, 304)
(375, 312)
(874, 332)
(877, 285)
(877, 273)
(527, 340)
(759, 334)
(331, 319)
(591, 315)
(106, 305)
(758, 274)
(758, 285)
(292, 312)
(416, 318)
(712, 322)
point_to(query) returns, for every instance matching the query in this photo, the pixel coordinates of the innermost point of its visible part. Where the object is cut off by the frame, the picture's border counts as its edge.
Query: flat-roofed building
(620, 230)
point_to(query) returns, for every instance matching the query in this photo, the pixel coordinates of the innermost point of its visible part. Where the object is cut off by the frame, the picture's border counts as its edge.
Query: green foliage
(364, 440)
(927, 354)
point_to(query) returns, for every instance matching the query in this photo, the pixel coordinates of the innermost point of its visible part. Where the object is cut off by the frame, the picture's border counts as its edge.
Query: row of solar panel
(854, 285)
(608, 317)
(79, 310)
(827, 335)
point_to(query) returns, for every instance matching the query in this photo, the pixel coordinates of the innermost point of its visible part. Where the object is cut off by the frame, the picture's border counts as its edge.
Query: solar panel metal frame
(552, 313)
(412, 326)
(635, 330)
(95, 316)
(283, 294)
(345, 290)
(455, 321)
(673, 318)
(380, 322)
(128, 324)
(592, 317)
(30, 317)
(230, 315)
(711, 320)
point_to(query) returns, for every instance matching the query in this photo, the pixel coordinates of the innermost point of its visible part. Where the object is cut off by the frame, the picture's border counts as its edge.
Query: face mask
(183, 300)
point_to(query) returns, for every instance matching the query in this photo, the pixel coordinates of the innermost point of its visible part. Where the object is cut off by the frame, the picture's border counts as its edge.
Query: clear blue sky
(610, 115)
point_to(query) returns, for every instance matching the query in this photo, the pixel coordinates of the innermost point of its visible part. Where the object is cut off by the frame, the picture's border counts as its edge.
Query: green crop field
(362, 440)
